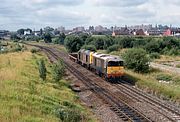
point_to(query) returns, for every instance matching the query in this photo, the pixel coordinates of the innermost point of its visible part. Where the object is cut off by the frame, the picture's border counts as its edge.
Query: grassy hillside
(25, 97)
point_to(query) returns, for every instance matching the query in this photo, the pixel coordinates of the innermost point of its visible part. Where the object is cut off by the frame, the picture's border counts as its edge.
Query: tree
(136, 59)
(99, 43)
(108, 41)
(42, 69)
(84, 36)
(58, 70)
(20, 31)
(14, 36)
(41, 31)
(124, 42)
(62, 38)
(73, 43)
(113, 48)
(89, 47)
(47, 38)
(152, 47)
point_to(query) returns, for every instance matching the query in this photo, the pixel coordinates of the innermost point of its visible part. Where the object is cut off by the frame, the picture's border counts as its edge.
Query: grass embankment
(169, 89)
(25, 97)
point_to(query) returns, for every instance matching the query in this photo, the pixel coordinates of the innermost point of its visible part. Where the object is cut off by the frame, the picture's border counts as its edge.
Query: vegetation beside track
(24, 96)
(164, 85)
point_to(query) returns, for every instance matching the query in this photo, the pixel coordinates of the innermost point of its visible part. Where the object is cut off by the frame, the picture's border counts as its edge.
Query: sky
(36, 14)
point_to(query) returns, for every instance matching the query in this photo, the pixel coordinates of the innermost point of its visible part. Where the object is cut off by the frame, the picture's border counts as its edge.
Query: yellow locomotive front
(114, 68)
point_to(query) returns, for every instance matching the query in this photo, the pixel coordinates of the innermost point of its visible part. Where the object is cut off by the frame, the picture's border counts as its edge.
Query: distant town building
(140, 32)
(167, 32)
(99, 28)
(37, 33)
(27, 32)
(138, 27)
(61, 29)
(3, 33)
(91, 28)
(79, 29)
(124, 31)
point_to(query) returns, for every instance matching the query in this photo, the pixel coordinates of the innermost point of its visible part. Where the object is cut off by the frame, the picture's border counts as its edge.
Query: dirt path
(166, 68)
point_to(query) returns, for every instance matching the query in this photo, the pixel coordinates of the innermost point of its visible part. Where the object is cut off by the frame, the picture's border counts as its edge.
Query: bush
(113, 48)
(73, 43)
(152, 46)
(69, 115)
(164, 77)
(89, 47)
(58, 70)
(56, 40)
(42, 69)
(34, 50)
(174, 52)
(178, 65)
(47, 38)
(17, 48)
(137, 60)
(154, 56)
(124, 42)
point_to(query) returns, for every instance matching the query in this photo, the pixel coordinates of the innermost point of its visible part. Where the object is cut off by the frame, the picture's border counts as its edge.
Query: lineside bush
(58, 70)
(136, 59)
(42, 69)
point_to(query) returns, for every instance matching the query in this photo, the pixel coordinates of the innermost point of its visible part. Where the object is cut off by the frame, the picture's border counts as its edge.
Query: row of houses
(150, 32)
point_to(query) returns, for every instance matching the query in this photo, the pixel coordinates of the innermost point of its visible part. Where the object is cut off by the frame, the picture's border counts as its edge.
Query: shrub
(178, 65)
(113, 48)
(47, 38)
(164, 77)
(42, 69)
(56, 40)
(89, 47)
(73, 43)
(176, 80)
(34, 50)
(152, 46)
(58, 70)
(154, 56)
(174, 52)
(137, 60)
(17, 48)
(69, 115)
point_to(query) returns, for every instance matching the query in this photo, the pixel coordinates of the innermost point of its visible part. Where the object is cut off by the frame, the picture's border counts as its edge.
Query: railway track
(121, 108)
(140, 95)
(156, 104)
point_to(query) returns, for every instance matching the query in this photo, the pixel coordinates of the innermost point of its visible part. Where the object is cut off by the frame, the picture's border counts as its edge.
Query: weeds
(24, 98)
(164, 77)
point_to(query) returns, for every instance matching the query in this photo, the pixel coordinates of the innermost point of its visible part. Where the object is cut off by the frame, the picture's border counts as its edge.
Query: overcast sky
(15, 14)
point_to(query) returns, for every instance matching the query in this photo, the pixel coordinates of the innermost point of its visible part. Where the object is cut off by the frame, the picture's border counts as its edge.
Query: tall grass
(150, 83)
(25, 97)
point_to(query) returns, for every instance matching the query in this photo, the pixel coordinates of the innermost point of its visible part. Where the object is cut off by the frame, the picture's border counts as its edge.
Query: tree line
(161, 45)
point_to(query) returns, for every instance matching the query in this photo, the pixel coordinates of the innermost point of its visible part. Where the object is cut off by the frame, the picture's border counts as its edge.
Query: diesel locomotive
(107, 66)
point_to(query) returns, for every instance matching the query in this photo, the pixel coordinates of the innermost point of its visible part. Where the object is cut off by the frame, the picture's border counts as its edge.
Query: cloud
(17, 14)
(118, 3)
(58, 16)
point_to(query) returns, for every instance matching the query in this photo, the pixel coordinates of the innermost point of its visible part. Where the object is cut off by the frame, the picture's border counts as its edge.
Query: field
(24, 97)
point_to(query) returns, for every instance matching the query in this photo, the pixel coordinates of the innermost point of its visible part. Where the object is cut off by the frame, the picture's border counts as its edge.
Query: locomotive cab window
(86, 58)
(115, 63)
